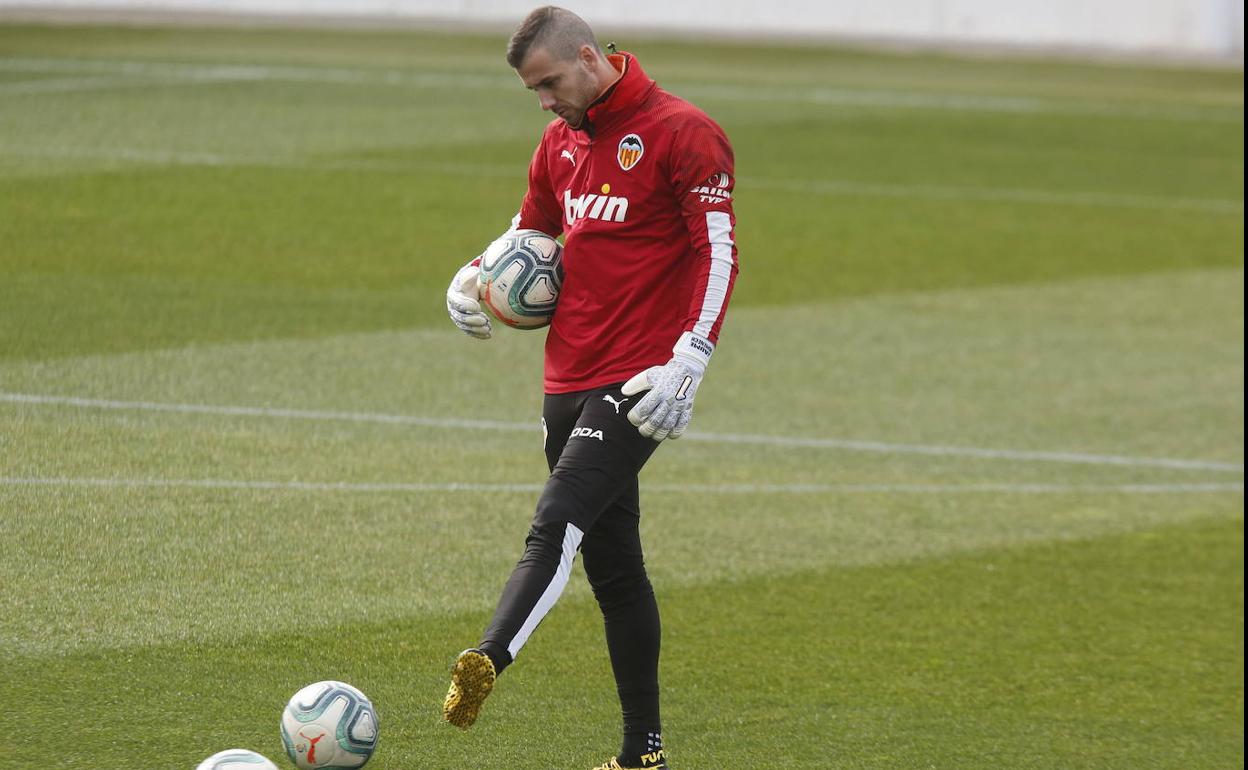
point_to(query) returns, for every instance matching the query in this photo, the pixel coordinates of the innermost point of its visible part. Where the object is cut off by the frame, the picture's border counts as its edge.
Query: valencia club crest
(630, 151)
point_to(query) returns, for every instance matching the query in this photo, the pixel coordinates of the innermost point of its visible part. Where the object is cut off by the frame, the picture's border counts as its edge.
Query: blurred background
(1206, 28)
(963, 489)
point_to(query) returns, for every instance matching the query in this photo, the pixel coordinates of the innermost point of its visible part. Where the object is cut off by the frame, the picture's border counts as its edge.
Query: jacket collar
(621, 100)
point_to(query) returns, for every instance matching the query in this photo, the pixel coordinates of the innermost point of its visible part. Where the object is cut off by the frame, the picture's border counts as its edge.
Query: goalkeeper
(639, 183)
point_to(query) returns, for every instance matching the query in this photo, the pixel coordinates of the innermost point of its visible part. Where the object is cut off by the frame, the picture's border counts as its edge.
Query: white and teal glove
(665, 411)
(463, 302)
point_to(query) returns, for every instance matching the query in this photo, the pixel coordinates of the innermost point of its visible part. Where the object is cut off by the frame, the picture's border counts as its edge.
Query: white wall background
(1183, 27)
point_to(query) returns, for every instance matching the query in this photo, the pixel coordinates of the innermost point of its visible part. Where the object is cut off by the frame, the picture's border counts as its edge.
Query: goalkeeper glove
(463, 302)
(665, 411)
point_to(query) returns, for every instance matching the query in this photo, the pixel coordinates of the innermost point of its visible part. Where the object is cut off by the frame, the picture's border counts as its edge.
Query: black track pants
(590, 504)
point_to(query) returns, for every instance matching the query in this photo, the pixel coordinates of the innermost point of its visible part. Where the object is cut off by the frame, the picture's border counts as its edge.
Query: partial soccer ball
(521, 274)
(329, 726)
(236, 759)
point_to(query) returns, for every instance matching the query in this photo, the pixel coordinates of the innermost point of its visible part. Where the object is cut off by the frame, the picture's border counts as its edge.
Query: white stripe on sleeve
(719, 233)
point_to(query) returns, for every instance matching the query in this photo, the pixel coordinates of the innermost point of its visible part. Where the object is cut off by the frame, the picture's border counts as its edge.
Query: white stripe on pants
(571, 542)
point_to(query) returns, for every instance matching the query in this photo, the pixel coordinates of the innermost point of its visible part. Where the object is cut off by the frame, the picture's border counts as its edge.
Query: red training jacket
(642, 190)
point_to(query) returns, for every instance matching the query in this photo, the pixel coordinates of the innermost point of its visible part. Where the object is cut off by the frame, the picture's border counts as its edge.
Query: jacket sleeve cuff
(697, 349)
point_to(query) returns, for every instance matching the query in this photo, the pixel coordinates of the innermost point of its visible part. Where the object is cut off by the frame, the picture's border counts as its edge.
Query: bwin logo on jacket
(608, 208)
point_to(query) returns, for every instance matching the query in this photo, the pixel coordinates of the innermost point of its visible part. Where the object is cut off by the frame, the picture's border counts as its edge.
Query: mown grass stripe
(818, 95)
(701, 489)
(826, 187)
(795, 442)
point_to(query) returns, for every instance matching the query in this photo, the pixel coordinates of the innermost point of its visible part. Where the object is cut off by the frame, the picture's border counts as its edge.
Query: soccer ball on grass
(521, 274)
(236, 759)
(329, 726)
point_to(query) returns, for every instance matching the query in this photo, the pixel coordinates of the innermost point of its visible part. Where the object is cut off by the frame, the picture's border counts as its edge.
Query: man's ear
(588, 56)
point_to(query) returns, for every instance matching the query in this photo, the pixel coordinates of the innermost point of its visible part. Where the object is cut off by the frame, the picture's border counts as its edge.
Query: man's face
(566, 88)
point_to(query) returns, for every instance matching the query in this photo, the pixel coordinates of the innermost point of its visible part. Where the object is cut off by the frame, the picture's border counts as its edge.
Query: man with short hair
(640, 183)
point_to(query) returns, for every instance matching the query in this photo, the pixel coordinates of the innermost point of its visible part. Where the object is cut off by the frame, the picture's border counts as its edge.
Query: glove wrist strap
(694, 349)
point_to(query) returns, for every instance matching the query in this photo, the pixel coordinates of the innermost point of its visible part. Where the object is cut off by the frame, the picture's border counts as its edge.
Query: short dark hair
(558, 30)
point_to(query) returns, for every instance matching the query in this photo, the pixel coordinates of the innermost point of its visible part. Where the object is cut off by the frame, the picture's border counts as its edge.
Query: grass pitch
(965, 486)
